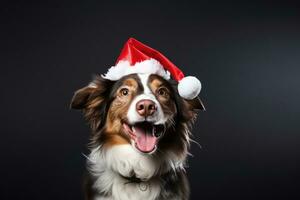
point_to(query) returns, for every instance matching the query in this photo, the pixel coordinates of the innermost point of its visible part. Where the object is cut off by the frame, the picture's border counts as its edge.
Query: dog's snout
(146, 107)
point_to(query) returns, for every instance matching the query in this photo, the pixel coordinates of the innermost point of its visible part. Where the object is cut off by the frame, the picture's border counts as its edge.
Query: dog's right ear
(93, 100)
(92, 95)
(81, 97)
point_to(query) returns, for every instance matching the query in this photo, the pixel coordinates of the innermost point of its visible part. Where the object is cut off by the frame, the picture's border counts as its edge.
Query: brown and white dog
(140, 137)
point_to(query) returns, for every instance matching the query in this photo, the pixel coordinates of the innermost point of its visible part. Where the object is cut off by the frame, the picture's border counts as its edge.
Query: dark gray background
(247, 55)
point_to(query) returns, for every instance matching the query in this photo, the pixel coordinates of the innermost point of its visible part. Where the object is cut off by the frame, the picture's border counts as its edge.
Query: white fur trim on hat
(124, 68)
(189, 87)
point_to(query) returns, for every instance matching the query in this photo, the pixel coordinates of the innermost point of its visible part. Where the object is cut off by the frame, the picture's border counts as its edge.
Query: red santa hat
(137, 57)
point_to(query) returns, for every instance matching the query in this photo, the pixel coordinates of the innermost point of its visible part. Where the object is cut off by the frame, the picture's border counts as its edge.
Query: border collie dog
(140, 120)
(140, 137)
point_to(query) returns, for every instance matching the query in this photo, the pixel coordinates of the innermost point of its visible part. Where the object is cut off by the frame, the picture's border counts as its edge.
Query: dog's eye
(124, 92)
(162, 91)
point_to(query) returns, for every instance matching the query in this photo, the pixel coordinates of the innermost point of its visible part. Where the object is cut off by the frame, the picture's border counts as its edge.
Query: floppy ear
(92, 95)
(81, 97)
(191, 107)
(92, 100)
(195, 104)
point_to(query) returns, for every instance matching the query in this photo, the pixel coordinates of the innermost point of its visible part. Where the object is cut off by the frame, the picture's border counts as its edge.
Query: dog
(140, 137)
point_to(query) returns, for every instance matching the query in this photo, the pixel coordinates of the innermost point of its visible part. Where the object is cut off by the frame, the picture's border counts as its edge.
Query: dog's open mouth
(145, 135)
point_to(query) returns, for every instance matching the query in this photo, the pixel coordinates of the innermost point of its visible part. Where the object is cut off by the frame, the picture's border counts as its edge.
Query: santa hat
(138, 58)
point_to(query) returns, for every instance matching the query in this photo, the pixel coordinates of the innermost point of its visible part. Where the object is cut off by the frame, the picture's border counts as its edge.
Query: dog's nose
(146, 107)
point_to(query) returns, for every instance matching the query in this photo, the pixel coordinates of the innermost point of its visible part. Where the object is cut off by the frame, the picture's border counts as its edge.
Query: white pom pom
(189, 87)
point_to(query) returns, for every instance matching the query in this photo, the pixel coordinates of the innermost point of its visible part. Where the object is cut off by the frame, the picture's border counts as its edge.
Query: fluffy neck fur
(108, 165)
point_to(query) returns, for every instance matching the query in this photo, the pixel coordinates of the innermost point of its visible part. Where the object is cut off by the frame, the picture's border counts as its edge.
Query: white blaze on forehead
(132, 115)
(144, 80)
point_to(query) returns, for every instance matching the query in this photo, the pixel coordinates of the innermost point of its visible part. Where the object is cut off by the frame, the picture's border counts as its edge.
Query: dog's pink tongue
(145, 141)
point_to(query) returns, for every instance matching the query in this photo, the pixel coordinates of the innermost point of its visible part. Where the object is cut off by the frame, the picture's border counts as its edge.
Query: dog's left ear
(191, 107)
(195, 104)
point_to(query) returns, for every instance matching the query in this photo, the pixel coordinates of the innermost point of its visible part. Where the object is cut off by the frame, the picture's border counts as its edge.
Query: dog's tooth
(158, 134)
(153, 130)
(133, 129)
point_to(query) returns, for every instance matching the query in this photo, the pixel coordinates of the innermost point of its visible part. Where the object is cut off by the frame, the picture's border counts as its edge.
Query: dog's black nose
(146, 107)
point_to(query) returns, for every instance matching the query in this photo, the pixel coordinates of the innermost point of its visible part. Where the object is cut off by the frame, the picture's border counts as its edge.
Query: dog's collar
(143, 184)
(132, 179)
(167, 179)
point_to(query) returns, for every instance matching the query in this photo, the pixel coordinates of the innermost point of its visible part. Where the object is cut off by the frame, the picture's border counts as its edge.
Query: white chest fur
(107, 165)
(121, 189)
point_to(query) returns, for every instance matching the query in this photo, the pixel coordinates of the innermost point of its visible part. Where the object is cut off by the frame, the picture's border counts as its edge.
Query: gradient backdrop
(247, 56)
